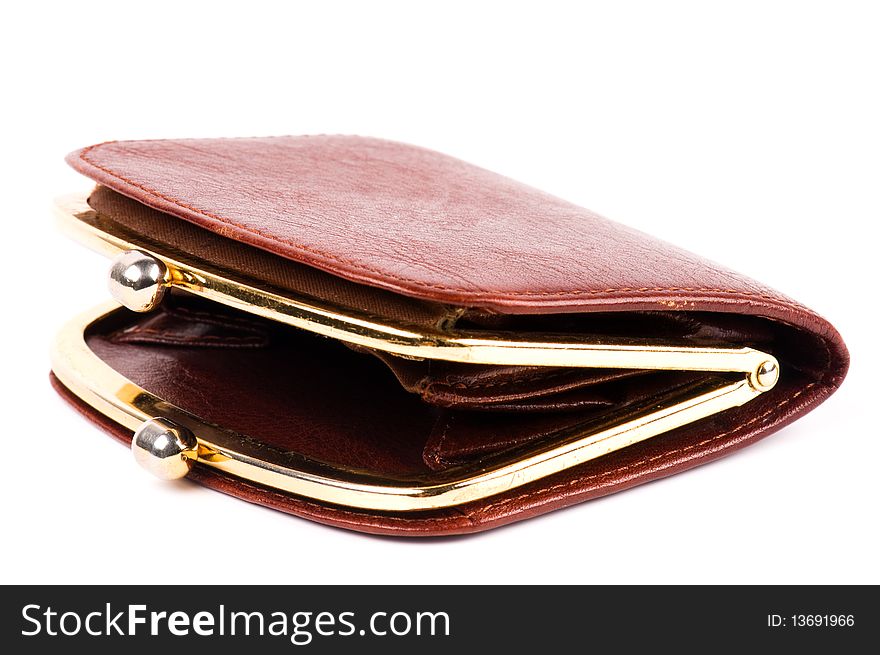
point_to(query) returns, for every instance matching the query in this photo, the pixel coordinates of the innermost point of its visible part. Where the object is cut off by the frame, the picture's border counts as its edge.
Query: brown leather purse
(383, 338)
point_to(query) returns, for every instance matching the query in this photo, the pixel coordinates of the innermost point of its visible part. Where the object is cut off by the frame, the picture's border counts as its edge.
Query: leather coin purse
(383, 338)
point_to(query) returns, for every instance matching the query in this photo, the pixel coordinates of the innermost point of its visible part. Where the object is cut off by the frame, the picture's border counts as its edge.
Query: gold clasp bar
(169, 440)
(146, 269)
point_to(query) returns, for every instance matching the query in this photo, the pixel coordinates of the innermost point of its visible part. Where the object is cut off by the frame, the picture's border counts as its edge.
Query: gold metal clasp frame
(143, 272)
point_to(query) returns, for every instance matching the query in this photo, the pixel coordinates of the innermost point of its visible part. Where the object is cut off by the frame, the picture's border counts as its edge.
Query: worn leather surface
(429, 227)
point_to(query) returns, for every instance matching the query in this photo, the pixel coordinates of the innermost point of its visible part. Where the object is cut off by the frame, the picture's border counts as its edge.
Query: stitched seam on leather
(83, 155)
(341, 515)
(204, 471)
(179, 339)
(826, 367)
(357, 518)
(667, 455)
(358, 521)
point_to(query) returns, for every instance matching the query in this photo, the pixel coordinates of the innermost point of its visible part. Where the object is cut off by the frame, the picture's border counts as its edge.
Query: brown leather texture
(386, 217)
(259, 268)
(417, 222)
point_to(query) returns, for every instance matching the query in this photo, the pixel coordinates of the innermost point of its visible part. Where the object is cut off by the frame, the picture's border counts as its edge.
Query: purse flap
(408, 219)
(428, 226)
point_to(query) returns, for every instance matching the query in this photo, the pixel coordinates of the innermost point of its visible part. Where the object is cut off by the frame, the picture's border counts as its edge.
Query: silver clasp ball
(137, 280)
(165, 449)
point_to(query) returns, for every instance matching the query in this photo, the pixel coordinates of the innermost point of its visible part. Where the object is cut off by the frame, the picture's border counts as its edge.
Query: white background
(749, 133)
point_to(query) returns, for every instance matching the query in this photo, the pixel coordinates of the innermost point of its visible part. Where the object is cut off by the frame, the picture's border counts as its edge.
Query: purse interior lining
(314, 397)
